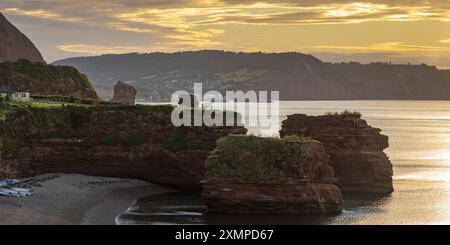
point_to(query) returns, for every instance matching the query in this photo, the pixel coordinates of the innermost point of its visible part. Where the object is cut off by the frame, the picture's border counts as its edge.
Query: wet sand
(72, 199)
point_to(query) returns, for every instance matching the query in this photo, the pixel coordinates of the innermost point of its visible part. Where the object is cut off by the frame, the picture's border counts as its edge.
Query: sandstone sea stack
(253, 175)
(15, 45)
(124, 93)
(356, 149)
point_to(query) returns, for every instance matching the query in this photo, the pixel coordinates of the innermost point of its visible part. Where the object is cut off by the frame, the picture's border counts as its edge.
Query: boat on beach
(7, 188)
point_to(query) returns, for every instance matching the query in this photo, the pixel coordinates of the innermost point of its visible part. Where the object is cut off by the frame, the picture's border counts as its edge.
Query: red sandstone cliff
(123, 141)
(124, 93)
(15, 45)
(356, 150)
(265, 175)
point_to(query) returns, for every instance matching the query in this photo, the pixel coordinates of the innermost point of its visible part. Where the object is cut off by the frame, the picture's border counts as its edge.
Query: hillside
(43, 79)
(296, 76)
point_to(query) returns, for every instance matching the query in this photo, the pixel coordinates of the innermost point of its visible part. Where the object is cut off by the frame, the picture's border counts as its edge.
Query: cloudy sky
(401, 31)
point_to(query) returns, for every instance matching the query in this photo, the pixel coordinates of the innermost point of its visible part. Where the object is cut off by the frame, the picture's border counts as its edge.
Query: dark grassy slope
(41, 79)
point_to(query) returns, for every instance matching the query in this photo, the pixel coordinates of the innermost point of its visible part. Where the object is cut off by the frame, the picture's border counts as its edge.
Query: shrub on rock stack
(254, 175)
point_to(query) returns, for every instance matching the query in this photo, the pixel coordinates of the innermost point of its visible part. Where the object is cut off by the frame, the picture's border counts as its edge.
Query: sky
(398, 31)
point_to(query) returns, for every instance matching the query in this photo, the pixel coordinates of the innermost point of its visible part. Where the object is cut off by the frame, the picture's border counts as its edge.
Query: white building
(7, 92)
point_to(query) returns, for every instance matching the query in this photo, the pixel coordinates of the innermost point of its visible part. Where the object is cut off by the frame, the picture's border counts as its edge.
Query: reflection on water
(183, 208)
(419, 137)
(172, 208)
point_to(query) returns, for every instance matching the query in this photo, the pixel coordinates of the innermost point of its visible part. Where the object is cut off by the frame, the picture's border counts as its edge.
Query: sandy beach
(72, 199)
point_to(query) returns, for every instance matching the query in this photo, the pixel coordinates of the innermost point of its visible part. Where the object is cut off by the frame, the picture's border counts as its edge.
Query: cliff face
(124, 93)
(15, 45)
(43, 80)
(246, 198)
(297, 76)
(356, 150)
(252, 175)
(117, 141)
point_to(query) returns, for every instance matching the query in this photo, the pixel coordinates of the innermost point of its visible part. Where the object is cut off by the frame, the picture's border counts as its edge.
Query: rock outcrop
(356, 149)
(113, 141)
(124, 93)
(15, 45)
(253, 175)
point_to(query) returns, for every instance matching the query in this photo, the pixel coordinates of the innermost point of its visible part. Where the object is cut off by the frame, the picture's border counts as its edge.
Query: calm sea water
(419, 136)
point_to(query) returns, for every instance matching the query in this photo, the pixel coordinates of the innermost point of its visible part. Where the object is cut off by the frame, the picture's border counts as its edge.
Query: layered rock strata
(356, 150)
(114, 141)
(252, 175)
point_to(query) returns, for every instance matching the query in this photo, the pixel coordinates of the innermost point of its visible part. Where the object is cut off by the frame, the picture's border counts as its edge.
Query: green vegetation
(62, 120)
(133, 139)
(254, 159)
(81, 124)
(114, 139)
(345, 114)
(80, 144)
(53, 102)
(64, 133)
(12, 127)
(43, 79)
(44, 112)
(42, 71)
(11, 145)
(67, 100)
(180, 142)
(110, 138)
(297, 138)
(61, 117)
(243, 75)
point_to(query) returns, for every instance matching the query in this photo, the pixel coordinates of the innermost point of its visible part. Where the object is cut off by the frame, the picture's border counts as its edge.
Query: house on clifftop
(7, 93)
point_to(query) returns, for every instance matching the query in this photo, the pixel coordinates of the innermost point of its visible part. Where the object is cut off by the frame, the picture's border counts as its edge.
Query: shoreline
(73, 199)
(118, 202)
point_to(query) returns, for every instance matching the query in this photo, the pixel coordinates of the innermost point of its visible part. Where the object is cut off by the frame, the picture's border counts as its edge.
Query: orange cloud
(382, 47)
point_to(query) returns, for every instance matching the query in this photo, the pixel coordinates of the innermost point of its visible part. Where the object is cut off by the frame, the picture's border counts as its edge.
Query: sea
(419, 138)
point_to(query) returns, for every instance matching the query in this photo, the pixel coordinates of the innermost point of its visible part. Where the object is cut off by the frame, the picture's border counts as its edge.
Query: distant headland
(297, 76)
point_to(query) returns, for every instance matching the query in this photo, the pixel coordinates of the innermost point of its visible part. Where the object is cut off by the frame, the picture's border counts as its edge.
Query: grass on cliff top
(253, 159)
(117, 111)
(97, 105)
(41, 114)
(52, 104)
(69, 121)
(180, 142)
(344, 114)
